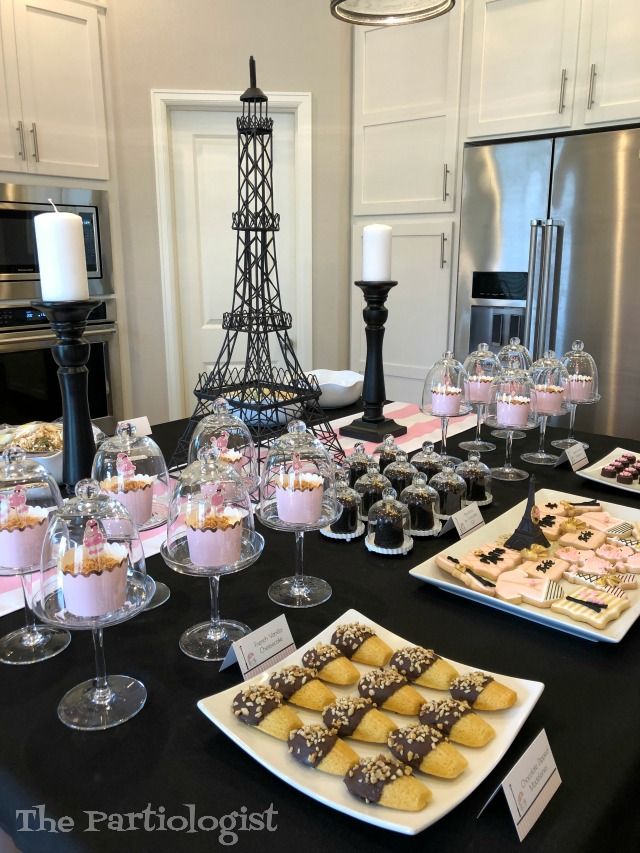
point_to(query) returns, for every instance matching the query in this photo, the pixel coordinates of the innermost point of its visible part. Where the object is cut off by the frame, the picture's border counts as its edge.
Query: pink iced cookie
(614, 553)
(546, 568)
(550, 525)
(595, 607)
(517, 586)
(553, 508)
(491, 560)
(463, 573)
(612, 583)
(631, 564)
(606, 523)
(574, 555)
(596, 565)
(586, 539)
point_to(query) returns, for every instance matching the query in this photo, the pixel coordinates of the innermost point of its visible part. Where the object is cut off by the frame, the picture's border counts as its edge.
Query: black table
(170, 754)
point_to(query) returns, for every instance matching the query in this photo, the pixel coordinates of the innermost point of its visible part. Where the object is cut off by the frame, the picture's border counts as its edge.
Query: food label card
(262, 648)
(465, 521)
(142, 425)
(531, 784)
(575, 456)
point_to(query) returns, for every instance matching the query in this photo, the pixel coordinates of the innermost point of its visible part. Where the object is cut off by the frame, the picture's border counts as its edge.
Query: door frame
(162, 102)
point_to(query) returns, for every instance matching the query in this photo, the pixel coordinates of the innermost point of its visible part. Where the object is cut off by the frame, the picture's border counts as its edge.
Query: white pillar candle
(376, 253)
(61, 257)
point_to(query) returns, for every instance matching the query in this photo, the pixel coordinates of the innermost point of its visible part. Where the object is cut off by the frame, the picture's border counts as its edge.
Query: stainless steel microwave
(19, 273)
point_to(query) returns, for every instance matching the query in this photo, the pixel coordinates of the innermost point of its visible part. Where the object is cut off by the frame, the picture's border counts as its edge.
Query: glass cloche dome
(232, 438)
(427, 460)
(481, 367)
(400, 473)
(443, 390)
(514, 356)
(451, 490)
(423, 504)
(357, 463)
(132, 469)
(550, 381)
(348, 524)
(512, 393)
(388, 526)
(386, 452)
(477, 477)
(582, 383)
(370, 487)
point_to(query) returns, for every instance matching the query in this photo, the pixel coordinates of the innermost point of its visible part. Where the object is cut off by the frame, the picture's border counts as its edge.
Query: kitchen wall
(205, 44)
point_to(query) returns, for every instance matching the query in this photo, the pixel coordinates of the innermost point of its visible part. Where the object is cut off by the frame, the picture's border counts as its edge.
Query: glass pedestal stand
(465, 408)
(106, 700)
(211, 640)
(478, 443)
(507, 472)
(516, 434)
(33, 643)
(570, 440)
(300, 590)
(540, 456)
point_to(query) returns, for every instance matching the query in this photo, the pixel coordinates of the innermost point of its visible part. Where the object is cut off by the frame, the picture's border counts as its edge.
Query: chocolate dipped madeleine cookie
(358, 718)
(391, 691)
(263, 707)
(301, 686)
(424, 667)
(321, 748)
(483, 692)
(330, 664)
(457, 721)
(426, 749)
(387, 782)
(360, 643)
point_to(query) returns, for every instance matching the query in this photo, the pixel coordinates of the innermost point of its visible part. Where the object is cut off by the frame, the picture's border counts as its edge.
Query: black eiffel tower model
(263, 395)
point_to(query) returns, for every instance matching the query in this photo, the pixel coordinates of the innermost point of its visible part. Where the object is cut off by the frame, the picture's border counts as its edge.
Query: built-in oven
(29, 388)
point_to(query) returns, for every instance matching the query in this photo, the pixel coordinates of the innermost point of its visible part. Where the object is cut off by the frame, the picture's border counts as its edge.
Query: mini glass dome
(582, 383)
(514, 356)
(385, 453)
(357, 463)
(423, 504)
(451, 490)
(370, 487)
(427, 460)
(550, 383)
(443, 390)
(297, 488)
(388, 526)
(400, 473)
(511, 406)
(28, 493)
(232, 438)
(132, 469)
(348, 524)
(481, 367)
(477, 477)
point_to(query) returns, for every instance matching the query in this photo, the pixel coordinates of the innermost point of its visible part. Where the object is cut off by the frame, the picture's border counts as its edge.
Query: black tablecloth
(171, 755)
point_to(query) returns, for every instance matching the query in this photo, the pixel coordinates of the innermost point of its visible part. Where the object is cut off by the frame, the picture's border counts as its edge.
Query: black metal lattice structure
(264, 395)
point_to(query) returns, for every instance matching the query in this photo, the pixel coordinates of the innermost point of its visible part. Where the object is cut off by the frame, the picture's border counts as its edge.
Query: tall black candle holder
(71, 353)
(373, 425)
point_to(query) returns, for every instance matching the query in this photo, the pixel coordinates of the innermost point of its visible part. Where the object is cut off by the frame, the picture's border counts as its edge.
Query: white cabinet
(405, 116)
(612, 66)
(417, 328)
(523, 65)
(54, 87)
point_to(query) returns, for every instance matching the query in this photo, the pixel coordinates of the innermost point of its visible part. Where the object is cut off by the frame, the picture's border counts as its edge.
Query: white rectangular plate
(331, 790)
(592, 472)
(507, 523)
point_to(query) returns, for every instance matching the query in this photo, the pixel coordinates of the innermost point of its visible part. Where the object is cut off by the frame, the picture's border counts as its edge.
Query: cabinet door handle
(563, 86)
(34, 132)
(20, 129)
(592, 82)
(445, 176)
(443, 240)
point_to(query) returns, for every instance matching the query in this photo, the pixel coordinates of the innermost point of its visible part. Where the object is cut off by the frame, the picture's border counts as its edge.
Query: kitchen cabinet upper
(52, 113)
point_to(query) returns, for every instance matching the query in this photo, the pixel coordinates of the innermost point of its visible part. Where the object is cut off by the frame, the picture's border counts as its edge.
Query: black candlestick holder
(71, 354)
(373, 425)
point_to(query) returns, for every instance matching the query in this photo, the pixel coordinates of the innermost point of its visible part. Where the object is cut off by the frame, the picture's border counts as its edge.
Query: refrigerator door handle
(543, 325)
(532, 284)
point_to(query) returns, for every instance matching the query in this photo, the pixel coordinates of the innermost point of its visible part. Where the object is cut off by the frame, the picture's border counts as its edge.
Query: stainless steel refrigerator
(550, 252)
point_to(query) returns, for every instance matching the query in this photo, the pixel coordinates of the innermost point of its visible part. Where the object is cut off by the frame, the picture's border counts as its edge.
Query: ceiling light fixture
(387, 13)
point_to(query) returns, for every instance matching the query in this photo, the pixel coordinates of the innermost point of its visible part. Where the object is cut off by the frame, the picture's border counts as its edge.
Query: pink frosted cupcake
(445, 400)
(94, 575)
(479, 389)
(299, 497)
(547, 399)
(579, 388)
(215, 536)
(22, 531)
(512, 410)
(134, 491)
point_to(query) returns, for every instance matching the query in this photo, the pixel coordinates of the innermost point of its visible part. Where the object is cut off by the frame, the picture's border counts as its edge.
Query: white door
(405, 116)
(204, 165)
(58, 46)
(613, 85)
(417, 329)
(523, 65)
(12, 151)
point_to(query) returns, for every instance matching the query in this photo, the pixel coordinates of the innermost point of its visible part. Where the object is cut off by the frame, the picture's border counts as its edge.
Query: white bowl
(339, 387)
